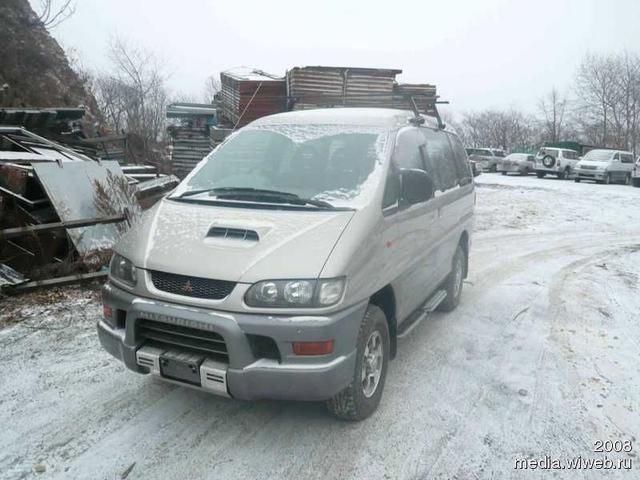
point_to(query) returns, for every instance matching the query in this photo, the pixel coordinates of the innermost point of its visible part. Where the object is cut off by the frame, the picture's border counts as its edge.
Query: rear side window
(460, 159)
(440, 155)
(626, 158)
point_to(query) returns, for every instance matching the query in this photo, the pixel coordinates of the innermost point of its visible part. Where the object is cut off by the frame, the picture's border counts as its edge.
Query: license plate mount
(181, 366)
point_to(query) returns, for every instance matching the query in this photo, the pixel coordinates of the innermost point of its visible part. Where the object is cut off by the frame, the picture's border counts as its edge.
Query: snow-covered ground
(542, 358)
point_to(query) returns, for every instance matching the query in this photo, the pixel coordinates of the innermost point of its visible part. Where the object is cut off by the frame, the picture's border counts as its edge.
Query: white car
(606, 166)
(556, 161)
(635, 176)
(522, 163)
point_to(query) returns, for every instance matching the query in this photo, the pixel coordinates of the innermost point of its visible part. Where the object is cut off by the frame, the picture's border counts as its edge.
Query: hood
(235, 244)
(587, 163)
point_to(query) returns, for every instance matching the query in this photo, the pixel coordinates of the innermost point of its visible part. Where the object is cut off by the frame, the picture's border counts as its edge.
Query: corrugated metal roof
(189, 109)
(252, 74)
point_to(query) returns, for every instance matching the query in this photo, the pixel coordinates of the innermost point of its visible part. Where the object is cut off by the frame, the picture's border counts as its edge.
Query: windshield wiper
(274, 195)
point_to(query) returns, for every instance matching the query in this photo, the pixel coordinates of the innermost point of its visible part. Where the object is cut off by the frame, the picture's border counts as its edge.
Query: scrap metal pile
(62, 206)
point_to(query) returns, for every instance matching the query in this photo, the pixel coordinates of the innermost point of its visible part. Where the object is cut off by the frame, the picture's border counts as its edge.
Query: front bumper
(247, 375)
(596, 175)
(511, 168)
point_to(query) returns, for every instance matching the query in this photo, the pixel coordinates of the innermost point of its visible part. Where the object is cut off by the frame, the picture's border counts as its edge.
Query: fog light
(313, 348)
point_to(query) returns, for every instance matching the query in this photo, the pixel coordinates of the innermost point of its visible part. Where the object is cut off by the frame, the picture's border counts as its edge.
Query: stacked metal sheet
(248, 94)
(188, 147)
(317, 87)
(189, 135)
(423, 94)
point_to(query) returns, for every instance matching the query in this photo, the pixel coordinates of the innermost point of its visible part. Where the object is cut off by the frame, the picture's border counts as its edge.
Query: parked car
(486, 158)
(286, 265)
(556, 161)
(522, 163)
(635, 176)
(606, 166)
(475, 169)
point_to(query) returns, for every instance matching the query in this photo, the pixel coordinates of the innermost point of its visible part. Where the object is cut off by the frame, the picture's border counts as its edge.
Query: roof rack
(419, 120)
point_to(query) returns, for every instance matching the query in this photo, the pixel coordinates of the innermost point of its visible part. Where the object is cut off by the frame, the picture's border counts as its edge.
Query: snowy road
(542, 358)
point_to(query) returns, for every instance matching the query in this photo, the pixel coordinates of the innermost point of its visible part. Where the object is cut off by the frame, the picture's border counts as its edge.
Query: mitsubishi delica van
(293, 257)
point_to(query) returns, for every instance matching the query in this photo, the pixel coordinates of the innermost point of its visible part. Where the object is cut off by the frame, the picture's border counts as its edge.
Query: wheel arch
(385, 299)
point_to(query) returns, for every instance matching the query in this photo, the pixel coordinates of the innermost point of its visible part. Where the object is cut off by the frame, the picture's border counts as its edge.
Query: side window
(460, 159)
(440, 155)
(616, 157)
(627, 158)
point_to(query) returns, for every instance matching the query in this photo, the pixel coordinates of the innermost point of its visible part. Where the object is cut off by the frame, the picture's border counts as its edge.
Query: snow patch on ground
(541, 358)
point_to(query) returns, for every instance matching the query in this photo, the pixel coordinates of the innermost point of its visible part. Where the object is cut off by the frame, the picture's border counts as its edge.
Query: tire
(504, 173)
(627, 179)
(453, 283)
(607, 179)
(577, 180)
(540, 174)
(562, 175)
(636, 181)
(354, 403)
(548, 161)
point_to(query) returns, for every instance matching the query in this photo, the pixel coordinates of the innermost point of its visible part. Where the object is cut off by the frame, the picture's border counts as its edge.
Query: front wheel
(362, 396)
(540, 174)
(607, 179)
(635, 181)
(562, 175)
(577, 179)
(504, 173)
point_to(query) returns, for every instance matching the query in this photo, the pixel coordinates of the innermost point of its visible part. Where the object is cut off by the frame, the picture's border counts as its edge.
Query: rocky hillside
(33, 65)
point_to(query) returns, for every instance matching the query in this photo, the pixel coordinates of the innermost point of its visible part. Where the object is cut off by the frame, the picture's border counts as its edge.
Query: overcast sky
(480, 54)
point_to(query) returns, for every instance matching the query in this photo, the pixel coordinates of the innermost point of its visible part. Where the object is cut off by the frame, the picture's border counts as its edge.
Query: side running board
(420, 314)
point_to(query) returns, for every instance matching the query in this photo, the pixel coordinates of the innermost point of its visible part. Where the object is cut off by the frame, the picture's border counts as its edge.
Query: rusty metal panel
(248, 94)
(74, 189)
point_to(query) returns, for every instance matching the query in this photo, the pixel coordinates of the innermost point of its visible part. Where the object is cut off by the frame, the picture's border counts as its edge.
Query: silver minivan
(293, 257)
(606, 166)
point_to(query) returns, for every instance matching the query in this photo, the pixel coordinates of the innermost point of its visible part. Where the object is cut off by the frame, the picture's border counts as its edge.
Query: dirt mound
(33, 64)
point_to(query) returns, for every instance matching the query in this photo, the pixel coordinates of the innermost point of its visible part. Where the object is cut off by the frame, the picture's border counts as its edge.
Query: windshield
(598, 156)
(335, 164)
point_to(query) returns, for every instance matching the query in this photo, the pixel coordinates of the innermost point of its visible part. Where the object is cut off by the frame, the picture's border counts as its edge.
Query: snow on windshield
(340, 164)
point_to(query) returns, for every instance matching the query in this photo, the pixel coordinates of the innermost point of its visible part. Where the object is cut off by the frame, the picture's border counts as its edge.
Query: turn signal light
(313, 348)
(107, 311)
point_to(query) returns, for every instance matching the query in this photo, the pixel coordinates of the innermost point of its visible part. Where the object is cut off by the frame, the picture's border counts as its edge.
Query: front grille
(162, 334)
(191, 286)
(587, 167)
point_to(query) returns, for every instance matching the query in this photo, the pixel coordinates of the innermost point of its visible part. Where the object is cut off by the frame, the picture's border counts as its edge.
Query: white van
(606, 166)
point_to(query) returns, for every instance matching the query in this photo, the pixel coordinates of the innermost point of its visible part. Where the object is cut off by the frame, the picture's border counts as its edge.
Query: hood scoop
(237, 234)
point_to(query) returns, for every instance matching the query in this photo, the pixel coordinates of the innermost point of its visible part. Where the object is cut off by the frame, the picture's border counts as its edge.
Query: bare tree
(53, 13)
(211, 87)
(134, 97)
(508, 129)
(609, 90)
(553, 108)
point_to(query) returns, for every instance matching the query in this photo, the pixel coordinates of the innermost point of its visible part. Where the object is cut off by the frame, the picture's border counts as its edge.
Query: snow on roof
(380, 117)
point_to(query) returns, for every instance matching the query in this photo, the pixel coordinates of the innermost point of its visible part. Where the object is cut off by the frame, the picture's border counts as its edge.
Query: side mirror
(417, 185)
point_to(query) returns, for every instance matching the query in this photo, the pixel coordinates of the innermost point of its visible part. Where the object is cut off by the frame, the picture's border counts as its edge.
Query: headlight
(123, 270)
(295, 293)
